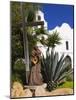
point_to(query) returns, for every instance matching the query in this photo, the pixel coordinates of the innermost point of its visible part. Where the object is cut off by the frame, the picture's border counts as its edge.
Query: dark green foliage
(69, 77)
(18, 73)
(16, 34)
(32, 43)
(54, 70)
(16, 77)
(40, 31)
(17, 44)
(31, 16)
(15, 13)
(19, 65)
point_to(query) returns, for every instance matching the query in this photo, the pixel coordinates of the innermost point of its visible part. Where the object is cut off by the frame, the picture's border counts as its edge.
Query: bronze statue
(35, 77)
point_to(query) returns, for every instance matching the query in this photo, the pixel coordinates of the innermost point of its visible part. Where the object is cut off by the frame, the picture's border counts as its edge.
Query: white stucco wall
(66, 33)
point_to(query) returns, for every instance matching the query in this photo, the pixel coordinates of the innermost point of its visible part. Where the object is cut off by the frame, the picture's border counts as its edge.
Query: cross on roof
(31, 23)
(34, 23)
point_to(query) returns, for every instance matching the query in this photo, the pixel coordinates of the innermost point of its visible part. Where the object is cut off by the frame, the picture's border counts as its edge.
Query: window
(39, 17)
(67, 45)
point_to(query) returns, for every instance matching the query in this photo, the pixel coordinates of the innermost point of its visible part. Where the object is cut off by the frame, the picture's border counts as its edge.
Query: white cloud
(66, 32)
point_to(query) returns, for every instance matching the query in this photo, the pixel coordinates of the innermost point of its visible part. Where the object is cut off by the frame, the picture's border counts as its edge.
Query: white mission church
(66, 33)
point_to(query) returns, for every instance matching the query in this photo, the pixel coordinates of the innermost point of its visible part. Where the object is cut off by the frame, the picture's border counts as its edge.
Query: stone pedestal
(36, 90)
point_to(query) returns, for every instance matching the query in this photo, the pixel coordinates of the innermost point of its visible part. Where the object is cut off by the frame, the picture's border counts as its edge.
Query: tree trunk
(25, 39)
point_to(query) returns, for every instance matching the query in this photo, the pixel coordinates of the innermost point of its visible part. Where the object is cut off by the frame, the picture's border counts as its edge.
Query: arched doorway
(68, 59)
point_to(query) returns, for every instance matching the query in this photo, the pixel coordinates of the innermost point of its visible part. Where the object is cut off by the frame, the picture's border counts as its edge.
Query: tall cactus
(54, 70)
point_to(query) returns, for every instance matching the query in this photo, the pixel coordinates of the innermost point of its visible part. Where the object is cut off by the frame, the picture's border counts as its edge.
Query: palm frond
(53, 39)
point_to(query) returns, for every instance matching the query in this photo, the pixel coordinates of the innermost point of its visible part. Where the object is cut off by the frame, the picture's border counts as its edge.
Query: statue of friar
(35, 77)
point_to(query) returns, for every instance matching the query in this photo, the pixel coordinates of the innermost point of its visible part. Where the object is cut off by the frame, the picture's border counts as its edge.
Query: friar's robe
(35, 75)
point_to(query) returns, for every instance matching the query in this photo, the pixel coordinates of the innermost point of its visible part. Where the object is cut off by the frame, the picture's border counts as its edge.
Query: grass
(67, 84)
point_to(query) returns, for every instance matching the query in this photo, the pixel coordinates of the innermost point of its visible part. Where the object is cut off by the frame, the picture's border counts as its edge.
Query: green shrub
(69, 77)
(19, 65)
(16, 77)
(19, 73)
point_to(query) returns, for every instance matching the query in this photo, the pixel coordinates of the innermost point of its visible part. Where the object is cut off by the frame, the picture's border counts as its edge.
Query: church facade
(65, 32)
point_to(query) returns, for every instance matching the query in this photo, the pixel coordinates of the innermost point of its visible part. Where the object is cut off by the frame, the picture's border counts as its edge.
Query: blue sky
(55, 14)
